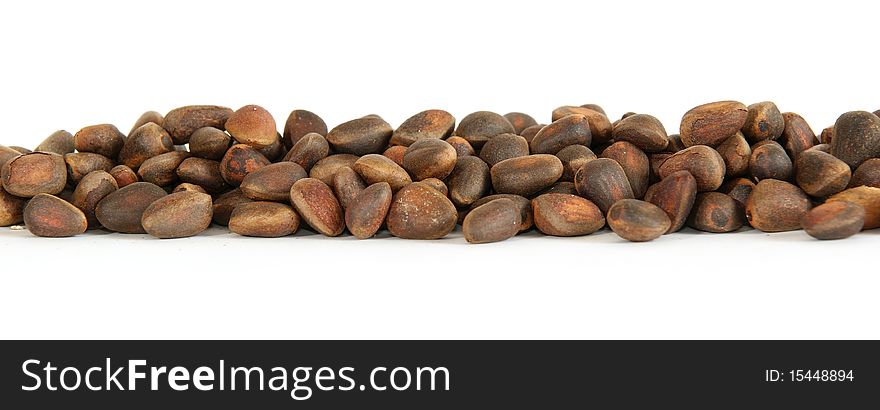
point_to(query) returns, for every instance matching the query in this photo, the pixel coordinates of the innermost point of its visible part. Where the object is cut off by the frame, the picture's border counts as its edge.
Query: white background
(66, 65)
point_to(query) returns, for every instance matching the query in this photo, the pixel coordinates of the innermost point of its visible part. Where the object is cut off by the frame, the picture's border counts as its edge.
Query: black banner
(439, 374)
